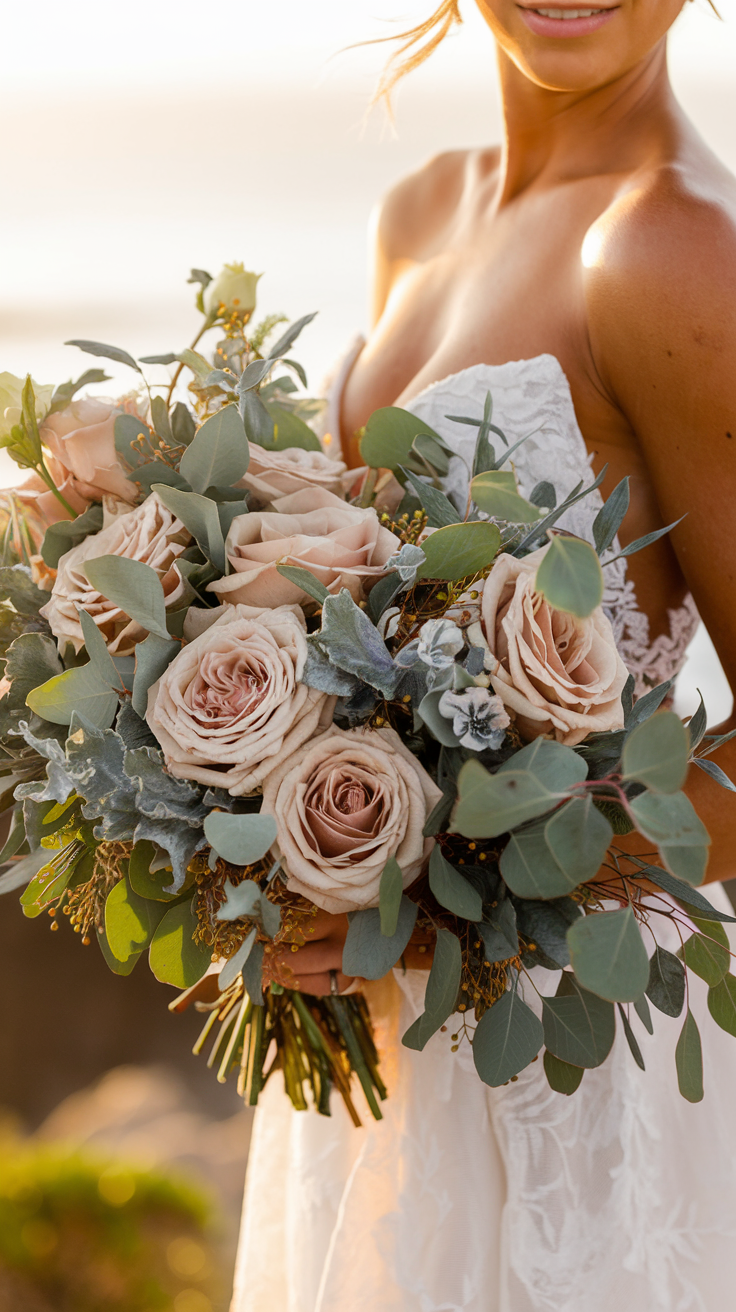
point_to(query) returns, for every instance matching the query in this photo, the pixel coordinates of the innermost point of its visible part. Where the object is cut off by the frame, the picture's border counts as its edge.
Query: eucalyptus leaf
(707, 958)
(611, 516)
(68, 533)
(722, 1004)
(569, 577)
(529, 867)
(253, 974)
(290, 431)
(389, 898)
(452, 890)
(608, 955)
(234, 965)
(240, 839)
(152, 657)
(17, 586)
(507, 1038)
(666, 987)
(174, 956)
(440, 727)
(647, 541)
(306, 580)
(716, 773)
(561, 1076)
(459, 550)
(645, 706)
(672, 823)
(439, 509)
(634, 1048)
(243, 899)
(218, 453)
(145, 881)
(370, 954)
(389, 436)
(99, 656)
(130, 920)
(440, 999)
(578, 836)
(287, 339)
(495, 493)
(107, 352)
(689, 1060)
(199, 515)
(134, 587)
(81, 690)
(656, 753)
(579, 1027)
(259, 426)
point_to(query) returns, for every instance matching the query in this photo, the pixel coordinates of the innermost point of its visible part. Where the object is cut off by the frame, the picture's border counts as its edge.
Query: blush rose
(274, 474)
(230, 706)
(342, 545)
(558, 674)
(343, 805)
(150, 534)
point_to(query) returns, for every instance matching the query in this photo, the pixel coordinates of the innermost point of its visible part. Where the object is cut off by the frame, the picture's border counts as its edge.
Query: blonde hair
(416, 45)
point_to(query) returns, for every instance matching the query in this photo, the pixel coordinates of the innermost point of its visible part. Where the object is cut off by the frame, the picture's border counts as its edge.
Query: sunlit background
(138, 140)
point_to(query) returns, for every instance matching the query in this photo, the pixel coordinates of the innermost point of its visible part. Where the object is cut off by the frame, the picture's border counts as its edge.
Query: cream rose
(274, 474)
(230, 706)
(341, 544)
(81, 439)
(343, 805)
(150, 534)
(233, 291)
(557, 673)
(11, 401)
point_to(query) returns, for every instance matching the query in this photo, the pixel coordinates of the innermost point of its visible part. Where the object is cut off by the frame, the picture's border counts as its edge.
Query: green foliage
(370, 953)
(526, 786)
(306, 580)
(708, 954)
(608, 955)
(459, 550)
(507, 1038)
(631, 1039)
(496, 493)
(17, 587)
(107, 352)
(152, 658)
(672, 823)
(443, 986)
(561, 1076)
(290, 430)
(144, 880)
(134, 587)
(389, 436)
(452, 890)
(218, 454)
(174, 956)
(353, 644)
(689, 1060)
(439, 509)
(570, 578)
(722, 1004)
(240, 839)
(390, 893)
(550, 858)
(666, 987)
(656, 753)
(83, 1230)
(611, 516)
(79, 691)
(579, 1027)
(200, 516)
(31, 660)
(130, 920)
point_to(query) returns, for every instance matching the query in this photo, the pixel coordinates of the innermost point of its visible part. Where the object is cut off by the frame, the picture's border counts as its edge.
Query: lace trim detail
(533, 397)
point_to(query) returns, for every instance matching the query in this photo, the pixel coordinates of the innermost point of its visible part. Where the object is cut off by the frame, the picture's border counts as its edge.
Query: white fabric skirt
(621, 1198)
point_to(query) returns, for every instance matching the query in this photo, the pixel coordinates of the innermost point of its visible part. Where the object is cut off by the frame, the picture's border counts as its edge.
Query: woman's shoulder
(414, 215)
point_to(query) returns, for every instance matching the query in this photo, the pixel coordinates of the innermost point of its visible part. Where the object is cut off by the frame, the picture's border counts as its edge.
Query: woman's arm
(661, 299)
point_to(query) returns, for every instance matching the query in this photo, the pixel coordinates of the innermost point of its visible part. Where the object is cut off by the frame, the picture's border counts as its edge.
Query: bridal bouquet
(243, 684)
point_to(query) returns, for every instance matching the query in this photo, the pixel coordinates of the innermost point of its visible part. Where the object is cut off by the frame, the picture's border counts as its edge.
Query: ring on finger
(334, 989)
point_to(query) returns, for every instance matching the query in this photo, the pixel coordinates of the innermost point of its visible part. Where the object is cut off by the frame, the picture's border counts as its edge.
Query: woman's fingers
(319, 984)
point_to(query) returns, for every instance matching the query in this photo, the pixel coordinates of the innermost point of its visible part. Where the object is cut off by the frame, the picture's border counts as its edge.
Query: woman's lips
(543, 25)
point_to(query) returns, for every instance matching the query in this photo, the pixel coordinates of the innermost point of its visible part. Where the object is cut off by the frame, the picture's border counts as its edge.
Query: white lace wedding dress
(516, 1199)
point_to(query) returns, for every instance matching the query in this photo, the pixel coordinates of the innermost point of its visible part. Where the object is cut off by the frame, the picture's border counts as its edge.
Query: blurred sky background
(144, 138)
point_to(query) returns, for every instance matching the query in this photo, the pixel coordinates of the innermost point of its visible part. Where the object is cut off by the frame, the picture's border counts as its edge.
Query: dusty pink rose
(230, 706)
(344, 804)
(559, 674)
(81, 440)
(274, 474)
(341, 544)
(150, 534)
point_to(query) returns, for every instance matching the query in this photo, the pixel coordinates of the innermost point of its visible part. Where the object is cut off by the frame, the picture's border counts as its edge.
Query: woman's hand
(308, 967)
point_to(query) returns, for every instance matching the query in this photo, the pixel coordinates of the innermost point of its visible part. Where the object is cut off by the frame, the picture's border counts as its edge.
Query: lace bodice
(533, 397)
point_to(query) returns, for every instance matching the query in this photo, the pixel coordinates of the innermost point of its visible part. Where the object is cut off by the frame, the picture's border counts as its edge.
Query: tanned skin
(603, 232)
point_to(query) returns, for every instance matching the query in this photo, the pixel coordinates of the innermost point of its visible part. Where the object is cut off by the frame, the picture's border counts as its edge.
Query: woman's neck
(550, 136)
